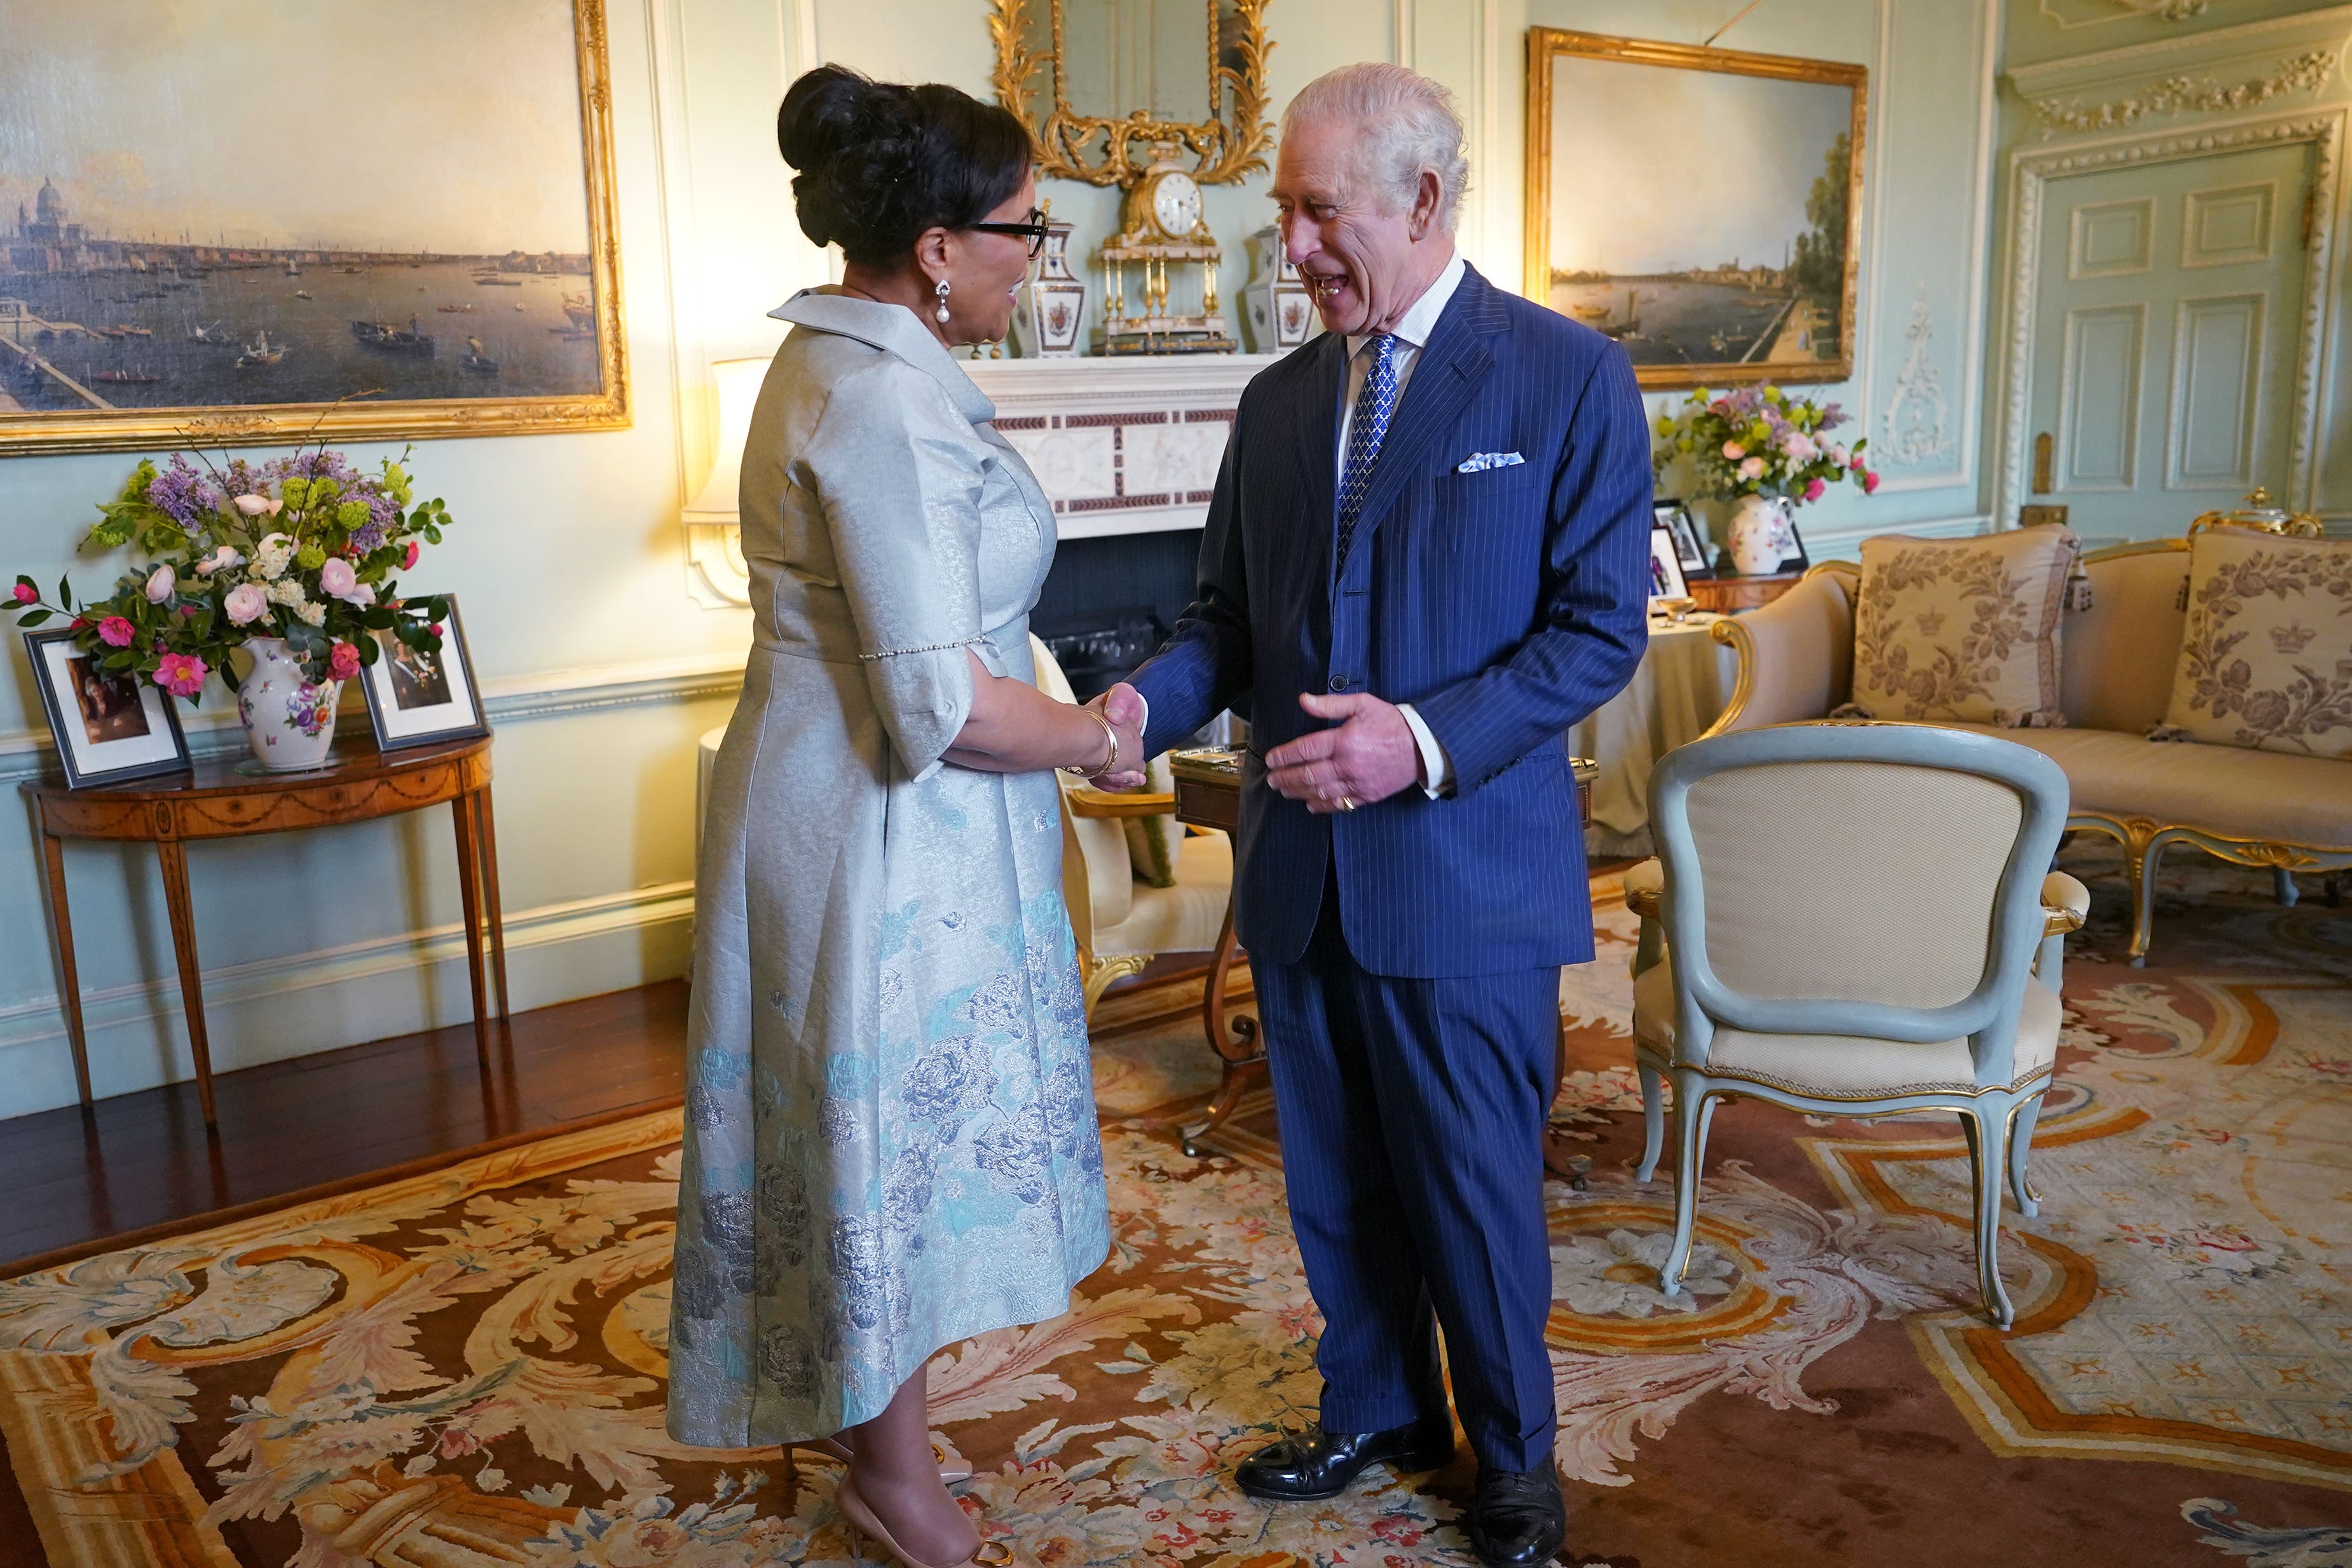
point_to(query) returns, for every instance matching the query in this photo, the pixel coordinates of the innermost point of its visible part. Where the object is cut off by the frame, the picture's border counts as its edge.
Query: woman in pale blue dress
(891, 1142)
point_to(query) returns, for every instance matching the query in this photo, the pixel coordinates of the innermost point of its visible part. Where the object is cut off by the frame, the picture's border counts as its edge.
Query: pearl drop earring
(940, 288)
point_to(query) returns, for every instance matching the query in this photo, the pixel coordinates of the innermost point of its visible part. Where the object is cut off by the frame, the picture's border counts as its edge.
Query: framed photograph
(413, 700)
(1794, 558)
(1690, 544)
(1667, 581)
(109, 729)
(1701, 206)
(435, 255)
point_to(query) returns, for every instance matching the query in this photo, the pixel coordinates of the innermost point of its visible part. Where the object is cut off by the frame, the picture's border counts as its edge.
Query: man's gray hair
(1409, 126)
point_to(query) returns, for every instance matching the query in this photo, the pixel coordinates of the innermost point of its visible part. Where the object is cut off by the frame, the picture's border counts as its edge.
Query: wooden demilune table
(1209, 795)
(215, 800)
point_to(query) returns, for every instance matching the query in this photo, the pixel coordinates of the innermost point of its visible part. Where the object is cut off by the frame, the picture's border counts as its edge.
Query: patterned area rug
(464, 1369)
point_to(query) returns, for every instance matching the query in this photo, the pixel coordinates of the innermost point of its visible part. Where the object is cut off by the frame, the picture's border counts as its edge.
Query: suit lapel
(1315, 446)
(1450, 368)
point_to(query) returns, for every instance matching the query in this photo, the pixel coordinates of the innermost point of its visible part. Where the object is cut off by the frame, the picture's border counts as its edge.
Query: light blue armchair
(1852, 915)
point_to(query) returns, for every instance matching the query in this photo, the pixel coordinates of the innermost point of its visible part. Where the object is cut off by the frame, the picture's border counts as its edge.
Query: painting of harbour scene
(1698, 206)
(430, 255)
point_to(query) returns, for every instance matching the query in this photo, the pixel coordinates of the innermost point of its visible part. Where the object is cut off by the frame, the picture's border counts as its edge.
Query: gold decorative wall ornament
(2262, 512)
(2186, 94)
(1226, 146)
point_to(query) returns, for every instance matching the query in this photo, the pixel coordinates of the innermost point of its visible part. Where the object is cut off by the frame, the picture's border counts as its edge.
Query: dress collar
(893, 329)
(1420, 319)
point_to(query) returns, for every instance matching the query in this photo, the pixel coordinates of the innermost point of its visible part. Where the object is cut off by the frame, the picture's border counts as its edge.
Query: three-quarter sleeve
(900, 488)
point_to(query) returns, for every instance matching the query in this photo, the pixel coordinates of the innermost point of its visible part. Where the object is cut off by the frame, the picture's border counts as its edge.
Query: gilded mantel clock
(1161, 227)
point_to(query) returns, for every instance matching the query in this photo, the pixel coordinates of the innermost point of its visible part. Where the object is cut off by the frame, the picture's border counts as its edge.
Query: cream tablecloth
(1683, 684)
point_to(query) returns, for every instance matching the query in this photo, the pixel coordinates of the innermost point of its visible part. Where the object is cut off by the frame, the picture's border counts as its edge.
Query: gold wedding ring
(1347, 803)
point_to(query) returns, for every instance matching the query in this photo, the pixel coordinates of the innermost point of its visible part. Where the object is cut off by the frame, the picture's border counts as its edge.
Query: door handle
(2042, 450)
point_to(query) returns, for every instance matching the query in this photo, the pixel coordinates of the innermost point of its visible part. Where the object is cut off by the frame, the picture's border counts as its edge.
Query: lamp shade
(738, 388)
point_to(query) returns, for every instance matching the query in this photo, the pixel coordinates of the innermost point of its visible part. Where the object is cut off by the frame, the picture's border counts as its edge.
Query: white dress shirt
(1411, 333)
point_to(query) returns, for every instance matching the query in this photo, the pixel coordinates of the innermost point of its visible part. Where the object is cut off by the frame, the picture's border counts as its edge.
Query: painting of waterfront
(214, 217)
(1701, 206)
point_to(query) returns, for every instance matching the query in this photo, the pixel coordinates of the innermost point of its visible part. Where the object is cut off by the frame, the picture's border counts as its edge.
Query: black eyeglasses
(1032, 229)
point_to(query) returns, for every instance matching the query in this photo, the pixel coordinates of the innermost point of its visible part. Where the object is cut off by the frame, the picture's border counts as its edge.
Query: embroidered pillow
(1963, 630)
(2266, 652)
(1151, 840)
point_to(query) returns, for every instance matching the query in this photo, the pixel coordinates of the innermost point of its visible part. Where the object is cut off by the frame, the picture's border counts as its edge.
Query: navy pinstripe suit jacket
(1505, 605)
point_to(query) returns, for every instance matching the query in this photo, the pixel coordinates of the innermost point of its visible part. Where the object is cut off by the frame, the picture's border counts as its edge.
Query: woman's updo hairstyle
(879, 162)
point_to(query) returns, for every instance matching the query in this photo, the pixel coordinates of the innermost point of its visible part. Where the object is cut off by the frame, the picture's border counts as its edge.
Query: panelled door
(2168, 311)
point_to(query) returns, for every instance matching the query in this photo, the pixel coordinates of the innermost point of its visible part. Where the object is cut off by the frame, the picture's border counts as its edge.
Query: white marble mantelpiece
(1125, 445)
(1122, 446)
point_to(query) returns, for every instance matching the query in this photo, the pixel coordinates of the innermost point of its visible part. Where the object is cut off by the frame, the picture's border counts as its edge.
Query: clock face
(1176, 204)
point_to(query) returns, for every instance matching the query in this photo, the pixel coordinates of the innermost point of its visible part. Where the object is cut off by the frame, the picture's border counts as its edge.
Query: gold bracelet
(1110, 762)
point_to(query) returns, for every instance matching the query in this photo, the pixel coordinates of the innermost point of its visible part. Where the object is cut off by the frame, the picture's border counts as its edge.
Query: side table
(1208, 794)
(215, 800)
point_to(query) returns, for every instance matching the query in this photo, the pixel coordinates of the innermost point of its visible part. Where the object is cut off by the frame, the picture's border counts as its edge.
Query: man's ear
(1426, 199)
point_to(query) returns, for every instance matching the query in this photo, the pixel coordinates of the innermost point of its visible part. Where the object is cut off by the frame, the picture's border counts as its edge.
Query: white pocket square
(1479, 462)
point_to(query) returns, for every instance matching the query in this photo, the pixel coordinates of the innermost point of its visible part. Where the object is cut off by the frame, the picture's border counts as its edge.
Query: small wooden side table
(1209, 795)
(218, 801)
(1728, 595)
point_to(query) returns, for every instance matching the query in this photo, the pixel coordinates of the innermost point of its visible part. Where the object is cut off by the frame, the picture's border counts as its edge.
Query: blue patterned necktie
(1375, 401)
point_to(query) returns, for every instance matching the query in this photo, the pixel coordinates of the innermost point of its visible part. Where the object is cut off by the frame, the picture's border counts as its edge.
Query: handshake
(1366, 755)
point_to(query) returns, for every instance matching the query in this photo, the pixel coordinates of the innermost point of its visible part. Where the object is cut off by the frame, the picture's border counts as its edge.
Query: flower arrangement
(302, 548)
(1760, 440)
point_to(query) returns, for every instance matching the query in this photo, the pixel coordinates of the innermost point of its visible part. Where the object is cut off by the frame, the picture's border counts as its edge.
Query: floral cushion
(1962, 630)
(2266, 653)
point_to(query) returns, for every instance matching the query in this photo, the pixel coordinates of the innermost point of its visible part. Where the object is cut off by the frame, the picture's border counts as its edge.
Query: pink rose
(28, 594)
(1813, 488)
(220, 560)
(336, 578)
(116, 631)
(436, 628)
(182, 674)
(408, 561)
(159, 584)
(1752, 468)
(1733, 452)
(1869, 480)
(344, 661)
(246, 604)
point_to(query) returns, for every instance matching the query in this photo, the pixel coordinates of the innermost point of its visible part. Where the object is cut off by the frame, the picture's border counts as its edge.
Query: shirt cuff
(1436, 771)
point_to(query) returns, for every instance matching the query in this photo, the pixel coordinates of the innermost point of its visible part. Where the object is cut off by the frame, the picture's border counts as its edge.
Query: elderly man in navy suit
(1426, 559)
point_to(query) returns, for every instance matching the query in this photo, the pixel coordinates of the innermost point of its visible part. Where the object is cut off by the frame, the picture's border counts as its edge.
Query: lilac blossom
(182, 494)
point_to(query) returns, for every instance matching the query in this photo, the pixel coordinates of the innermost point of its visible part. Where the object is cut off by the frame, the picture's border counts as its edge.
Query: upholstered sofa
(2255, 808)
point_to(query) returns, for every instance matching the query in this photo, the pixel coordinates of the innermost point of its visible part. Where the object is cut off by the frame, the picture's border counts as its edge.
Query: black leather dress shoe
(1315, 1464)
(1518, 1517)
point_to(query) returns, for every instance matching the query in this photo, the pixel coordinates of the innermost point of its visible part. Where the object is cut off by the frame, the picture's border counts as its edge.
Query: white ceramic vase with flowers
(1765, 452)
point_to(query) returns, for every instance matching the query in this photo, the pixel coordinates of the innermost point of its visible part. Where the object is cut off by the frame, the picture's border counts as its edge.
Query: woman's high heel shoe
(951, 1473)
(862, 1523)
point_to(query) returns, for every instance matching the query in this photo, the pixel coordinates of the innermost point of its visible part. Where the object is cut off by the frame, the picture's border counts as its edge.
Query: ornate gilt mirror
(1100, 81)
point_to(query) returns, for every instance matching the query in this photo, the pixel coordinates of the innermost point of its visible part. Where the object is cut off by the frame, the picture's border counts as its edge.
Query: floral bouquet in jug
(292, 560)
(1765, 452)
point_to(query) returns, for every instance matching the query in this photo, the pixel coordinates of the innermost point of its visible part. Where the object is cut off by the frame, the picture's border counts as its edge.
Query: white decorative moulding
(2223, 71)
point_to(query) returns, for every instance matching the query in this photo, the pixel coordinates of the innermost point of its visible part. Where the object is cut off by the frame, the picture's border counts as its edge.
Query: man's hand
(1123, 706)
(1370, 756)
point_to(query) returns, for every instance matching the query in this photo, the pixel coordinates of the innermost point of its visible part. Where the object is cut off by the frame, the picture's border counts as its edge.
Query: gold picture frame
(357, 413)
(1065, 141)
(1713, 320)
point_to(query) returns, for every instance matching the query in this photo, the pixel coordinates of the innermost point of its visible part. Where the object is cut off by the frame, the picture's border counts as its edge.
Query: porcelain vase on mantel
(1760, 537)
(289, 719)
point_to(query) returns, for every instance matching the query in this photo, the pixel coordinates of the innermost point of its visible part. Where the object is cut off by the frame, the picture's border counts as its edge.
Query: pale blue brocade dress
(890, 1138)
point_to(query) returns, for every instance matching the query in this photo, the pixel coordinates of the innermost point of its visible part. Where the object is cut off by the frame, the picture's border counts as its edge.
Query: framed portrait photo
(435, 255)
(1701, 206)
(414, 699)
(1690, 546)
(110, 728)
(1666, 579)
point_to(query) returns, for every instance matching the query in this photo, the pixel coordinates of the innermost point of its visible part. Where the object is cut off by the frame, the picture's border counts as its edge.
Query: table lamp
(714, 545)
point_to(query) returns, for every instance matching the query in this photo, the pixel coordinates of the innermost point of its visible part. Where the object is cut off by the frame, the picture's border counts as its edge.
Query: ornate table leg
(469, 879)
(173, 857)
(53, 854)
(1235, 1041)
(490, 901)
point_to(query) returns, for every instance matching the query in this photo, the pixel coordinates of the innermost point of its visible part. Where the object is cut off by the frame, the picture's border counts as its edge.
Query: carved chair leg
(1988, 1128)
(2282, 884)
(2021, 1144)
(1690, 1147)
(2141, 870)
(1654, 1118)
(1101, 974)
